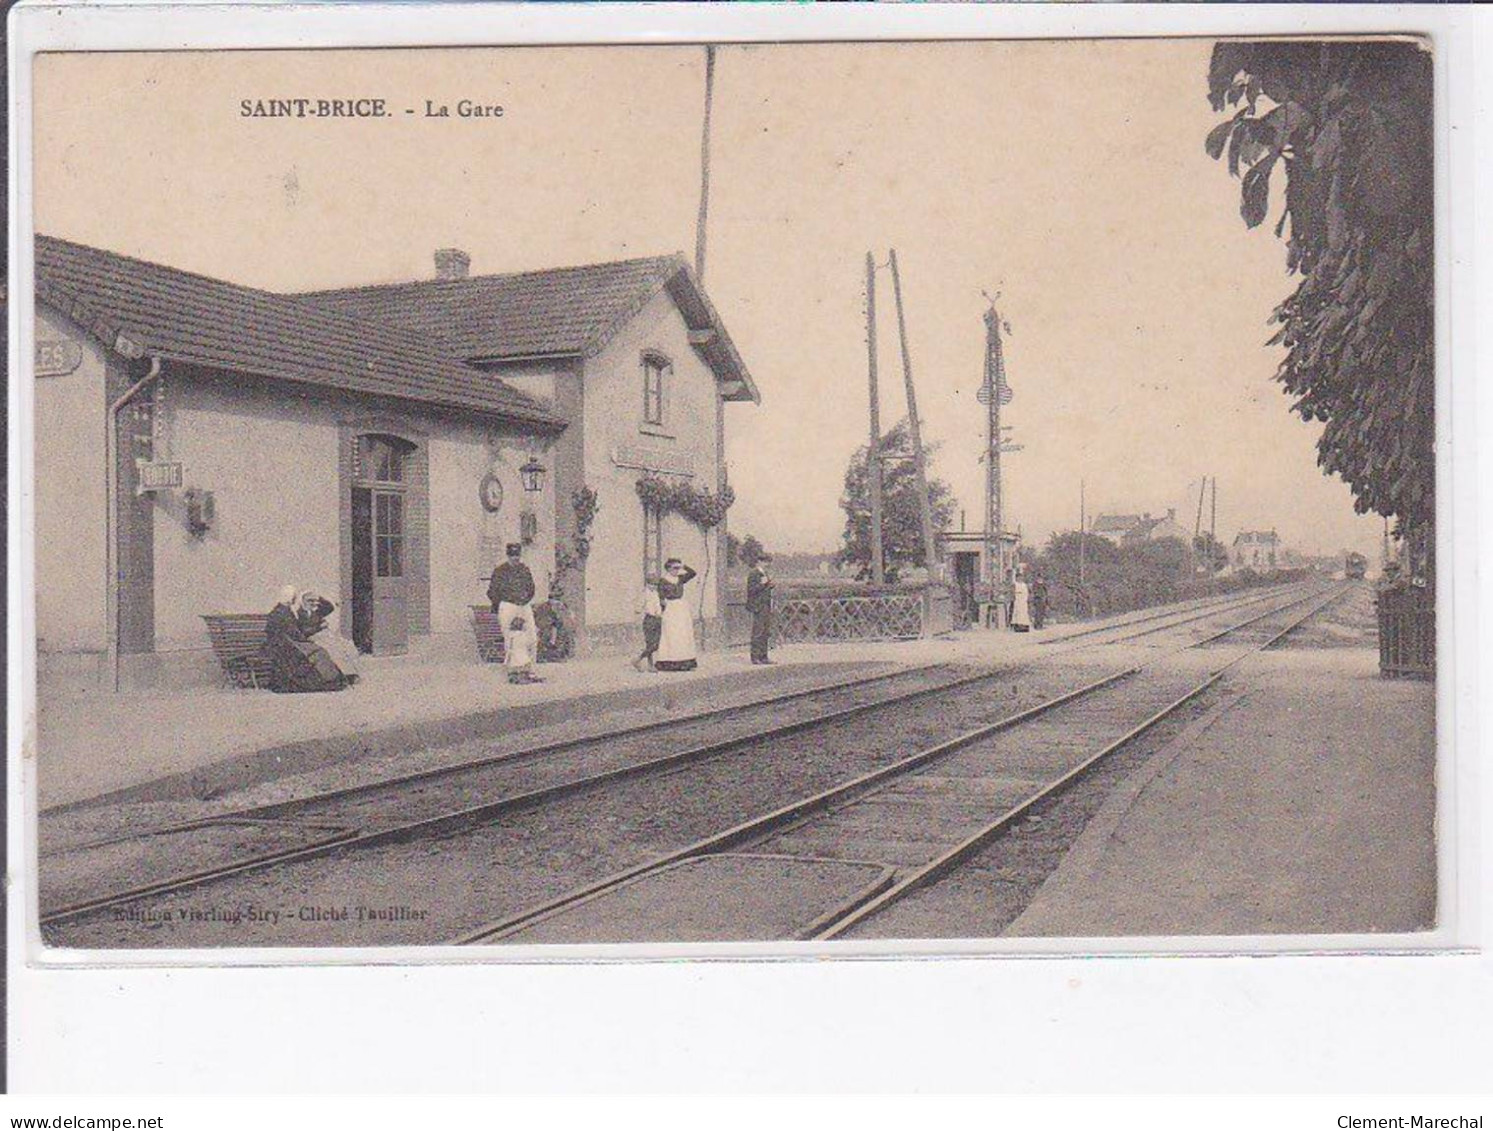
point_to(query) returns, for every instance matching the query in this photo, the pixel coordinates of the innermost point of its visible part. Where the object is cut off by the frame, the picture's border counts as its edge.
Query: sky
(1068, 178)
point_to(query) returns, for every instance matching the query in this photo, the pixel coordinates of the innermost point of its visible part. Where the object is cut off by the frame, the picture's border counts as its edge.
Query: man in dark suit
(511, 592)
(759, 604)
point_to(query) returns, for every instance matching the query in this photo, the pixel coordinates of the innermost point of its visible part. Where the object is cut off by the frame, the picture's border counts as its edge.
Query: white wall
(70, 496)
(614, 417)
(271, 463)
(467, 541)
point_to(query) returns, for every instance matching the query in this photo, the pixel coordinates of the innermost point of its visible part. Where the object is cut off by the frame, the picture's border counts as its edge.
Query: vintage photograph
(734, 493)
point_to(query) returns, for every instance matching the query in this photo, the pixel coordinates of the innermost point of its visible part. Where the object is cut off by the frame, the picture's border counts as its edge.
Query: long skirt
(676, 644)
(519, 643)
(1021, 617)
(300, 666)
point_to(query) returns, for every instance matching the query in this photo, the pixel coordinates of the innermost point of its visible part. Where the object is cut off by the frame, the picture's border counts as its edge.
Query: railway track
(917, 818)
(1147, 623)
(443, 802)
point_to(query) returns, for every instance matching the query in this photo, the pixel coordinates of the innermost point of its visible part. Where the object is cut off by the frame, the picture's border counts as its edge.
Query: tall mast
(873, 448)
(930, 549)
(1083, 523)
(995, 548)
(704, 165)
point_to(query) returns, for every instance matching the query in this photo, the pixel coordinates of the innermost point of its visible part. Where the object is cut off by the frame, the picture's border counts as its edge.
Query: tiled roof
(180, 316)
(1114, 523)
(564, 311)
(536, 313)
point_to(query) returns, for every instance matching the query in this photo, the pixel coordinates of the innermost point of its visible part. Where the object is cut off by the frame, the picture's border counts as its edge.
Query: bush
(1122, 579)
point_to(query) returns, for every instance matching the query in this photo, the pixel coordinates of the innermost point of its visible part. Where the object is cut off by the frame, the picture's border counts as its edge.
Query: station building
(380, 445)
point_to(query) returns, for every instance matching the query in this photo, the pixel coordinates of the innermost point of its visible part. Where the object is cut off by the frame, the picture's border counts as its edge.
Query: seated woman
(296, 664)
(318, 617)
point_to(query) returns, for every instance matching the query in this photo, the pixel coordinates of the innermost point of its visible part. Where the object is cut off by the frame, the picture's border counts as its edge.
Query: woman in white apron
(1021, 614)
(676, 645)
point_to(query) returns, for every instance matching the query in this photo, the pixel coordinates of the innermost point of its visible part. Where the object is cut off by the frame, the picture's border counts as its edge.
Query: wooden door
(390, 616)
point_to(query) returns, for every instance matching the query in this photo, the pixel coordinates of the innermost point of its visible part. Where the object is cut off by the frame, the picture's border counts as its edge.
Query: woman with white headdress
(296, 664)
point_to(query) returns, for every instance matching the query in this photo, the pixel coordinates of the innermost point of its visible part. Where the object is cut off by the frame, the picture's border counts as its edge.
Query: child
(653, 624)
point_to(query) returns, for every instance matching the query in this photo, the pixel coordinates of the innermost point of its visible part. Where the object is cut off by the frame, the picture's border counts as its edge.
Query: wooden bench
(487, 628)
(238, 646)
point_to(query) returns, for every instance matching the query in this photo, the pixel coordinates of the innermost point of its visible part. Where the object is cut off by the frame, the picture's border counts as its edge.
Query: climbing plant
(572, 555)
(699, 506)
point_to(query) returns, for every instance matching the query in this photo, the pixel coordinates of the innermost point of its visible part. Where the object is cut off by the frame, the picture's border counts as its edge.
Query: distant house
(1114, 527)
(1150, 529)
(1256, 550)
(1131, 529)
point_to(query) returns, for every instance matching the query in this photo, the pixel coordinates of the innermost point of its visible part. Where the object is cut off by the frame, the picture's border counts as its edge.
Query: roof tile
(187, 317)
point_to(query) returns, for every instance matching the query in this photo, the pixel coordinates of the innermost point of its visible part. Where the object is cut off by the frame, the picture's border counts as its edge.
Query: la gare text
(362, 108)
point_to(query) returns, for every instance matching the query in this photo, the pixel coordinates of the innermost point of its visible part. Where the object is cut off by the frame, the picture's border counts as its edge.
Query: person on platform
(511, 592)
(319, 620)
(676, 644)
(759, 604)
(296, 664)
(1021, 610)
(1039, 602)
(651, 609)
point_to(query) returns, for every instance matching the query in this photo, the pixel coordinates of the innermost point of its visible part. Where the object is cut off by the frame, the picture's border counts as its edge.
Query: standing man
(511, 592)
(1039, 602)
(759, 604)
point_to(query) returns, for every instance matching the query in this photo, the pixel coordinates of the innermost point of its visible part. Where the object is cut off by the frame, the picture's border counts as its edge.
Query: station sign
(660, 461)
(57, 358)
(157, 476)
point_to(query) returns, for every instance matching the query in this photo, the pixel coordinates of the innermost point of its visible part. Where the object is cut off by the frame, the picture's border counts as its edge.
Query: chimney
(452, 263)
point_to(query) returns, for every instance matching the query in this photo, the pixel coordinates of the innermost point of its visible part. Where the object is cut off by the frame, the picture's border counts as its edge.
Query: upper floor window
(656, 372)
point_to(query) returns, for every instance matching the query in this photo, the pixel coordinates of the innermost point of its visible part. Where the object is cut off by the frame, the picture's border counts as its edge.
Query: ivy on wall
(572, 555)
(698, 506)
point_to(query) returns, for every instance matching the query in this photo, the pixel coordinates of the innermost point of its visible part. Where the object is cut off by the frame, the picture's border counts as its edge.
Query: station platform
(1306, 805)
(163, 744)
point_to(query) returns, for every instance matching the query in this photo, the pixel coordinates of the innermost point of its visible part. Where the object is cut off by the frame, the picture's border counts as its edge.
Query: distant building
(1150, 529)
(1131, 529)
(1256, 549)
(1114, 527)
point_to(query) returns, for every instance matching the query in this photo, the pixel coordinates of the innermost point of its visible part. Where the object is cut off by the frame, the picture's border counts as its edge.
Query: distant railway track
(1151, 623)
(1028, 754)
(425, 804)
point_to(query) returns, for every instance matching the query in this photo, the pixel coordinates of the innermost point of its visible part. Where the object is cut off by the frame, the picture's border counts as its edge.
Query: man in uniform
(759, 604)
(511, 592)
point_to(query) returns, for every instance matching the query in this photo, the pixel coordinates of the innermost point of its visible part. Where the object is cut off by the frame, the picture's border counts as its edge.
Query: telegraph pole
(1083, 522)
(704, 166)
(1213, 531)
(930, 549)
(873, 449)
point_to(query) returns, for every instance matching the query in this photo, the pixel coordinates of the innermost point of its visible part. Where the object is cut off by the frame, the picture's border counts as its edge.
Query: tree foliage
(751, 551)
(901, 516)
(1349, 125)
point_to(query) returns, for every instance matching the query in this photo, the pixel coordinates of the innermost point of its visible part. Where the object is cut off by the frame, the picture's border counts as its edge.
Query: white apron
(1021, 615)
(676, 644)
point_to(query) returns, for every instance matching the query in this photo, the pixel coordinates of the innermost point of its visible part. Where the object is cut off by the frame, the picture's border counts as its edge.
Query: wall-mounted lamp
(532, 474)
(201, 511)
